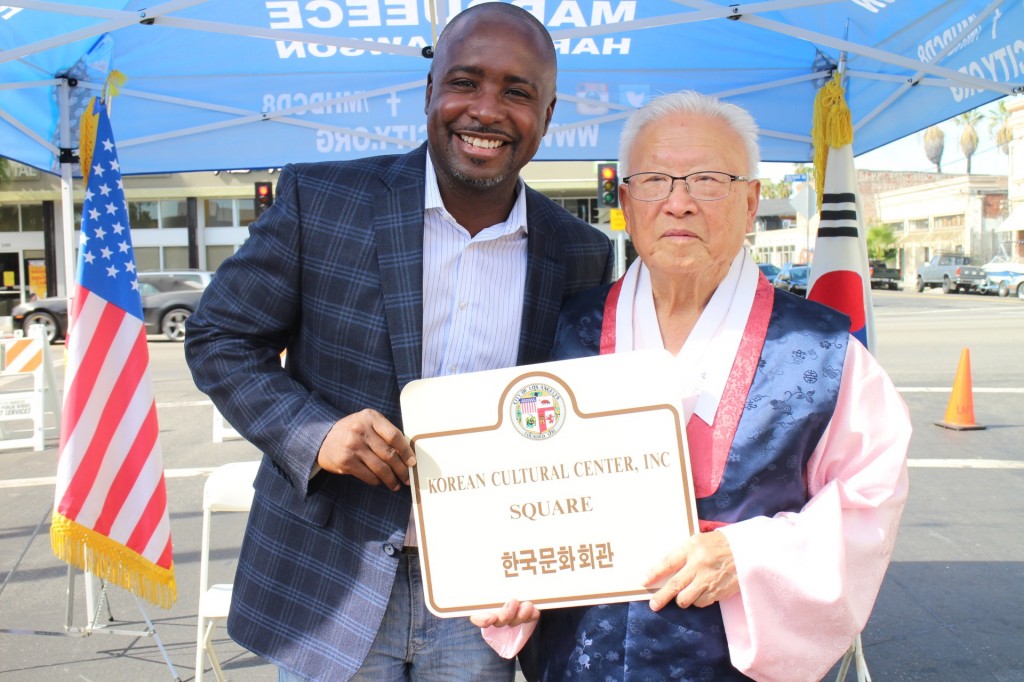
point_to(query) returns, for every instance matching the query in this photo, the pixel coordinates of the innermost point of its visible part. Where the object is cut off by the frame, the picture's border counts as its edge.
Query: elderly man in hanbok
(796, 435)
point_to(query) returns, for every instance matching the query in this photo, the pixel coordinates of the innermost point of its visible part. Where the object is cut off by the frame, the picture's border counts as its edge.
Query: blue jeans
(414, 645)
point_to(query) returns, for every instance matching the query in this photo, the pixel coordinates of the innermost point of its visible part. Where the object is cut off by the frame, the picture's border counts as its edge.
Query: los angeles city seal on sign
(537, 411)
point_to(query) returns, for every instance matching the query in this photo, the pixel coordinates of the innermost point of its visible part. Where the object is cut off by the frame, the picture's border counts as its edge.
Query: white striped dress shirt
(472, 288)
(473, 292)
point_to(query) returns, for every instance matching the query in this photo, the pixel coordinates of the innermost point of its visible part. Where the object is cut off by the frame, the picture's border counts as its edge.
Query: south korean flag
(839, 274)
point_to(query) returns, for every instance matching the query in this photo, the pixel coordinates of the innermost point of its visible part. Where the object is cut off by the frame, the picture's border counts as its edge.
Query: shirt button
(462, 305)
(452, 368)
(389, 549)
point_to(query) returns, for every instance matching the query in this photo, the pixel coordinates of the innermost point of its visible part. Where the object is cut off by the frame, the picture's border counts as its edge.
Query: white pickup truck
(952, 272)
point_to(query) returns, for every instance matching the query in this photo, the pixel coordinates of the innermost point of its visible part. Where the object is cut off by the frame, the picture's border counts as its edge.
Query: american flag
(110, 514)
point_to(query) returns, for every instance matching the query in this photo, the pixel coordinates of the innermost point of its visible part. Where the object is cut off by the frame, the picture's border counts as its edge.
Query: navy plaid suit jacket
(333, 272)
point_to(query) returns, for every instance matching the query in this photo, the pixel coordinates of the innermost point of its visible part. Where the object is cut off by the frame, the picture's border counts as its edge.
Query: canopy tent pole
(64, 237)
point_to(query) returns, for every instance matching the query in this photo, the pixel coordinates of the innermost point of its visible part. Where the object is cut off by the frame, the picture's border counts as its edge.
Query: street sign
(796, 177)
(617, 219)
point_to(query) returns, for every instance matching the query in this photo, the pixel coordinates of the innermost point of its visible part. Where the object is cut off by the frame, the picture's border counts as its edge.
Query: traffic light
(608, 185)
(264, 197)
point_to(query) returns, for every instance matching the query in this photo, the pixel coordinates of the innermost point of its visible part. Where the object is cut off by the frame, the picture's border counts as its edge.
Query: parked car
(1004, 277)
(883, 276)
(793, 278)
(1004, 284)
(951, 271)
(52, 312)
(165, 313)
(769, 270)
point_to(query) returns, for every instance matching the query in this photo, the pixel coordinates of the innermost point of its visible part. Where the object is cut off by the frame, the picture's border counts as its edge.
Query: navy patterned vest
(782, 417)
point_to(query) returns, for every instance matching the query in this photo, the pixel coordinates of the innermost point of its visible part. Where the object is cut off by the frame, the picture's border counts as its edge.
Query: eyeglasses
(702, 185)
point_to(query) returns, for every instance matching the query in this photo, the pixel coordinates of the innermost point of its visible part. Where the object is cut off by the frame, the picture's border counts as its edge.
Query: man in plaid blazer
(337, 272)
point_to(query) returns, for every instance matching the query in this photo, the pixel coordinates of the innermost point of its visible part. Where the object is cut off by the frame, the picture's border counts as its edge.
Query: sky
(908, 154)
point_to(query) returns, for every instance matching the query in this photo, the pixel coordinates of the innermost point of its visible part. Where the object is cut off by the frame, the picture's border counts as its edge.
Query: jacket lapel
(398, 230)
(545, 282)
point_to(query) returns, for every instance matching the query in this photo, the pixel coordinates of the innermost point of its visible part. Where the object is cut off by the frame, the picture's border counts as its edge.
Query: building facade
(196, 220)
(187, 220)
(928, 213)
(1011, 230)
(956, 214)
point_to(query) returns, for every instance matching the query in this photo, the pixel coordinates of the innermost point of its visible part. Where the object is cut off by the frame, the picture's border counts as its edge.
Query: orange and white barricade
(28, 393)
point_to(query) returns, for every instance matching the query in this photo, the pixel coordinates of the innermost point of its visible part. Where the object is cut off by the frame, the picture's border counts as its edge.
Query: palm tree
(5, 170)
(1000, 128)
(881, 242)
(774, 190)
(969, 138)
(934, 143)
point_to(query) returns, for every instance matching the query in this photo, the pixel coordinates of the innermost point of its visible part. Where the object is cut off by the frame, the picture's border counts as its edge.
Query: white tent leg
(64, 237)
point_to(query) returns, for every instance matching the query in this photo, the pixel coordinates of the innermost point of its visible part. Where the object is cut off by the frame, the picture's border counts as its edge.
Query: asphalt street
(949, 608)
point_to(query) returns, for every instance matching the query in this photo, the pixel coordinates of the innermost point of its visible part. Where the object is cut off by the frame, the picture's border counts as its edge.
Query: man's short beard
(478, 183)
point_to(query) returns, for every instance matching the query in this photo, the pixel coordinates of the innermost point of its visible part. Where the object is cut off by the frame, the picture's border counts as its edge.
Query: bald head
(498, 10)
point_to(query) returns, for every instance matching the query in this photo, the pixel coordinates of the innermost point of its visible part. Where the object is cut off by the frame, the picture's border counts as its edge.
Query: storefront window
(23, 218)
(32, 218)
(8, 218)
(142, 214)
(215, 255)
(220, 213)
(246, 211)
(175, 258)
(147, 258)
(174, 213)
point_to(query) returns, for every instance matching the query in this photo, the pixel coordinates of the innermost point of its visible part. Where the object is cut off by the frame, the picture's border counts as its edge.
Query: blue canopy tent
(225, 84)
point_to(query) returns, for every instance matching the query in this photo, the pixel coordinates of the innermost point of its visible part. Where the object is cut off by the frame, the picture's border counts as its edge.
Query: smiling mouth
(480, 142)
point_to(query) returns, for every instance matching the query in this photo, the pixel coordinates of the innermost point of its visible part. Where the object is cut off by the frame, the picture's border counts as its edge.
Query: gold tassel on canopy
(87, 124)
(831, 127)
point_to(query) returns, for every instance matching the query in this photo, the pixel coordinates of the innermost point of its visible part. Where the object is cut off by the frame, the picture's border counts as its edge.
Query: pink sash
(709, 444)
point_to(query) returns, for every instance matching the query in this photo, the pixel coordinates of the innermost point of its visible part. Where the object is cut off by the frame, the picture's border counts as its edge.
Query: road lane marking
(939, 389)
(52, 480)
(965, 464)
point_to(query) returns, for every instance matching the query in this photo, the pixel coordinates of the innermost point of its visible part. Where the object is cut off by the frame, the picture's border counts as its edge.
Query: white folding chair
(228, 489)
(855, 654)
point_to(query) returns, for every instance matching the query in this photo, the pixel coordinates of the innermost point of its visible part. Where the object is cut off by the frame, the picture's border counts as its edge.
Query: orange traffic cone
(960, 411)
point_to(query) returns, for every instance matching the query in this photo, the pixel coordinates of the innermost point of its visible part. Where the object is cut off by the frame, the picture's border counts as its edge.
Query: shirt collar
(706, 359)
(515, 222)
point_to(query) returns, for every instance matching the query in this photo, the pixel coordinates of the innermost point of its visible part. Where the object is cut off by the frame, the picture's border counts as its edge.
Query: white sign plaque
(561, 483)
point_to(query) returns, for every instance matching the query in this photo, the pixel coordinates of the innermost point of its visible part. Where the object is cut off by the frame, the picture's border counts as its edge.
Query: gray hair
(697, 104)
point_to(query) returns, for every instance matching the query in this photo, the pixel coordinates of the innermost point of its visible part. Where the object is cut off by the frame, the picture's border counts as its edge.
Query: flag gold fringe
(832, 126)
(109, 560)
(87, 139)
(89, 121)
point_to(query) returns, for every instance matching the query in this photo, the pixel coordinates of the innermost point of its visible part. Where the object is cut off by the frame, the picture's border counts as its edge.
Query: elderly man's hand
(368, 446)
(512, 613)
(703, 570)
